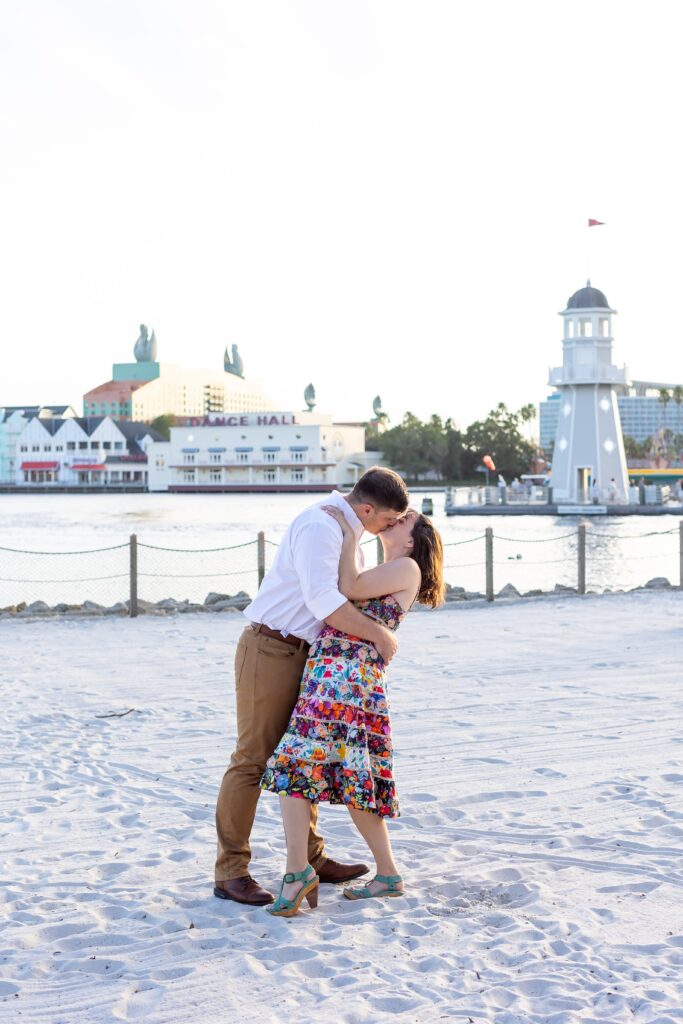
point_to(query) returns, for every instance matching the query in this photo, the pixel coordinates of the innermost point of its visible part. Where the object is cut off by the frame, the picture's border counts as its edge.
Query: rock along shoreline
(217, 603)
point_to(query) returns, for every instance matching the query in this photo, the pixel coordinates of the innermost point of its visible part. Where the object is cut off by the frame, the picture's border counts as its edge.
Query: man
(299, 593)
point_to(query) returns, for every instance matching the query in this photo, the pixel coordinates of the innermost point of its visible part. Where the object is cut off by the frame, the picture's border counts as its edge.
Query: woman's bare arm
(389, 578)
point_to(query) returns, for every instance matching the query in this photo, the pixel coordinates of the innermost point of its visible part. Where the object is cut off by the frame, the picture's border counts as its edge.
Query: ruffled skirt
(337, 747)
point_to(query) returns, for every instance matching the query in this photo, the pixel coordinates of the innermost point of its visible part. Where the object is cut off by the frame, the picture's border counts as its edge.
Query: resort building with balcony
(270, 451)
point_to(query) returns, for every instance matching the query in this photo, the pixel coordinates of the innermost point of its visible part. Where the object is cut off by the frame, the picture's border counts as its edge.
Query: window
(118, 445)
(35, 448)
(59, 447)
(106, 445)
(297, 456)
(47, 447)
(160, 462)
(269, 456)
(82, 446)
(188, 476)
(215, 457)
(298, 476)
(269, 476)
(215, 476)
(242, 457)
(188, 459)
(71, 446)
(94, 445)
(23, 448)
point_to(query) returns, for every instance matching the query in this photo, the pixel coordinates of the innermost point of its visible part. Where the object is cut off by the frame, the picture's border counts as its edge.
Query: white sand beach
(540, 767)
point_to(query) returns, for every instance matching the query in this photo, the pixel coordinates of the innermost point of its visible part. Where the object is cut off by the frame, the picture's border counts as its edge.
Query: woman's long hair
(428, 553)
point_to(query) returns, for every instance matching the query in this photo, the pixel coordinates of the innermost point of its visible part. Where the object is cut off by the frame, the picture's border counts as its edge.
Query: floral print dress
(337, 747)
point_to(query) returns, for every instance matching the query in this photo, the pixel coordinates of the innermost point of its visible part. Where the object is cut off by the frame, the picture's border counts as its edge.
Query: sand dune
(540, 768)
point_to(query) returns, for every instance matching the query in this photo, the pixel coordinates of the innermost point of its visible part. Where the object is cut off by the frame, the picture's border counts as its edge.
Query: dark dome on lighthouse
(588, 298)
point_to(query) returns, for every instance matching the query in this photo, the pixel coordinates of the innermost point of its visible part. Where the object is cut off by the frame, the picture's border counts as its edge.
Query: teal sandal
(390, 882)
(283, 907)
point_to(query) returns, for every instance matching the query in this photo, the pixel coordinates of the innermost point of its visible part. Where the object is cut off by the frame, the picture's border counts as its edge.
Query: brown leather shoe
(333, 872)
(243, 890)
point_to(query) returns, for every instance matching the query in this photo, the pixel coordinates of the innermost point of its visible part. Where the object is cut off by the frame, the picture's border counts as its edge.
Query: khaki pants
(267, 677)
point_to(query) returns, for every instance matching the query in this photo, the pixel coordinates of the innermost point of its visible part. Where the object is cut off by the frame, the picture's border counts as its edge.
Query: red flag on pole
(594, 223)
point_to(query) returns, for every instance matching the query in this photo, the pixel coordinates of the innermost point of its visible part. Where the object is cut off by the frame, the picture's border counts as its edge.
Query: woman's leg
(296, 818)
(376, 834)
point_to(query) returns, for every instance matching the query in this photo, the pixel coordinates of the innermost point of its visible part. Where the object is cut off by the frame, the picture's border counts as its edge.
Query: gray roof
(134, 433)
(27, 410)
(88, 423)
(588, 298)
(52, 425)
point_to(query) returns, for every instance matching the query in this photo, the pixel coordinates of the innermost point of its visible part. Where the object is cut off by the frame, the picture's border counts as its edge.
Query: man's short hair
(382, 488)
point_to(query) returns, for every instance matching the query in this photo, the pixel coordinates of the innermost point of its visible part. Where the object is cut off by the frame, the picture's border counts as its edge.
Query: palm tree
(677, 395)
(527, 414)
(664, 398)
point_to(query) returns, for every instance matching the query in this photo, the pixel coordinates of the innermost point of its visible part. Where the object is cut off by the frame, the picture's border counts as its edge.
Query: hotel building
(145, 389)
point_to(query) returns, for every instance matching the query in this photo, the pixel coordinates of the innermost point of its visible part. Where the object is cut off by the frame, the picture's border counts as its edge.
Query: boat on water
(427, 507)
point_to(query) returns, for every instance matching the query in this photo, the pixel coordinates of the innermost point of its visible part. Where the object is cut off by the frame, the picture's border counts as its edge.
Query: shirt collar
(340, 501)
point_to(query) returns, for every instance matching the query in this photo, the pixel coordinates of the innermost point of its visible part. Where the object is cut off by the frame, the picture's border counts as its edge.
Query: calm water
(530, 552)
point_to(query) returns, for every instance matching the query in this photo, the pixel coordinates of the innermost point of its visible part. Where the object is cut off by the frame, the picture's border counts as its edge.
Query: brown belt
(293, 641)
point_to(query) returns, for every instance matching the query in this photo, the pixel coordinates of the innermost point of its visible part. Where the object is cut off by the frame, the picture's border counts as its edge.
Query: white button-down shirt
(301, 588)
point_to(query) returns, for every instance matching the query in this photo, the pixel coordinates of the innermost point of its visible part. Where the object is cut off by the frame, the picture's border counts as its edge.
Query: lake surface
(177, 532)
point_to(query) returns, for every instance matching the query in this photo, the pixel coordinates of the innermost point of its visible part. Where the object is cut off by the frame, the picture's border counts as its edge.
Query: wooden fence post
(261, 556)
(582, 558)
(380, 552)
(489, 563)
(133, 603)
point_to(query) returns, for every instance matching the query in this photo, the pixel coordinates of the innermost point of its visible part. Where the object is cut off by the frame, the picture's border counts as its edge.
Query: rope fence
(128, 578)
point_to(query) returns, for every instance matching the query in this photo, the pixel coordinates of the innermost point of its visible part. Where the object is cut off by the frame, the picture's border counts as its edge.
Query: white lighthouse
(589, 456)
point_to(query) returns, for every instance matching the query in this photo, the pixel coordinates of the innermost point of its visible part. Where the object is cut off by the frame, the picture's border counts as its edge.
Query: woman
(337, 747)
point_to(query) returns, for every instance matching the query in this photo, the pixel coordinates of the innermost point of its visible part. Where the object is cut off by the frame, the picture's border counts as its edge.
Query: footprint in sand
(631, 887)
(138, 1001)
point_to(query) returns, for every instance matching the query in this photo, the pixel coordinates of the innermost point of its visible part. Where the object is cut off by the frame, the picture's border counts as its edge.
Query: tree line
(437, 449)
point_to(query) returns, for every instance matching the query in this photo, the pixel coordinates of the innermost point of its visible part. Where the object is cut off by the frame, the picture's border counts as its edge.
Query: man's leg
(267, 677)
(316, 843)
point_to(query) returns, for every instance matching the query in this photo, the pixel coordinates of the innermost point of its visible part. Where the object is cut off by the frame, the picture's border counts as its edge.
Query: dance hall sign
(250, 419)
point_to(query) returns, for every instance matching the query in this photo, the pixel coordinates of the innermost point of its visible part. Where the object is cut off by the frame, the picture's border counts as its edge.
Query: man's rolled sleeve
(316, 551)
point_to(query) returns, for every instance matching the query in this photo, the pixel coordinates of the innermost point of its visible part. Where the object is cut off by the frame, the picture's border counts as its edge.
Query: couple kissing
(313, 721)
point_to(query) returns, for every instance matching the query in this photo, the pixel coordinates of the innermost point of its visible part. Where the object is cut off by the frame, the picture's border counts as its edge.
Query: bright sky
(379, 197)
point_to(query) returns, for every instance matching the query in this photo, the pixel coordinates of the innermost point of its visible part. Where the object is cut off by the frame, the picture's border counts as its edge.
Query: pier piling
(133, 603)
(581, 548)
(489, 563)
